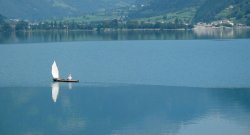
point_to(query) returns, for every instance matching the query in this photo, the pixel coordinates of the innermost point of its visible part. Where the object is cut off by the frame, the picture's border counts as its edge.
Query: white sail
(55, 91)
(55, 71)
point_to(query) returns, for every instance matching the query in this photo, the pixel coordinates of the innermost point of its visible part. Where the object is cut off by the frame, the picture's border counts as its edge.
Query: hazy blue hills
(189, 11)
(43, 9)
(2, 18)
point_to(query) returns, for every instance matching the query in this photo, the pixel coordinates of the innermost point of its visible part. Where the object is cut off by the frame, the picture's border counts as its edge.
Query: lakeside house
(219, 24)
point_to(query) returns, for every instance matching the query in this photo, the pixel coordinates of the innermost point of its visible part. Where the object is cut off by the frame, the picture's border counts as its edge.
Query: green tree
(248, 22)
(6, 27)
(132, 24)
(21, 25)
(114, 23)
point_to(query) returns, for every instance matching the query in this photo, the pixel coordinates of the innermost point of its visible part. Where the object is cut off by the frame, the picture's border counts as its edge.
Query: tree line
(114, 24)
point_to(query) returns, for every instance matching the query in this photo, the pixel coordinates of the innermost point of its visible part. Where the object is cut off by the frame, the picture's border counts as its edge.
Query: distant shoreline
(195, 28)
(106, 30)
(129, 30)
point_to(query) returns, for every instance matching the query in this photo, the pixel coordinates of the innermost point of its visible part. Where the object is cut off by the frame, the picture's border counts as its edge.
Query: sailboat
(56, 77)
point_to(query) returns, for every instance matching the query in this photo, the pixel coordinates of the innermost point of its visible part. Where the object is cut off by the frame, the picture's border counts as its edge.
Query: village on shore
(115, 25)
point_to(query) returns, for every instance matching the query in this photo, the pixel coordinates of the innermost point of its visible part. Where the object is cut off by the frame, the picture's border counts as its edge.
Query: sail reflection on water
(55, 90)
(55, 87)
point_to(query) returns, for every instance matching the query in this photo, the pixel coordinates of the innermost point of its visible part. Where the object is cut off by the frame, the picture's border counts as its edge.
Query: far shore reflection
(63, 36)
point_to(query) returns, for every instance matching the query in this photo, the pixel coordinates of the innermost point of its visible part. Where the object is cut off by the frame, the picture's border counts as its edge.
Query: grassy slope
(45, 9)
(185, 15)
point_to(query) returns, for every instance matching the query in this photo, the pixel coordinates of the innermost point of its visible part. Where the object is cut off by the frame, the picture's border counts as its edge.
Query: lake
(141, 84)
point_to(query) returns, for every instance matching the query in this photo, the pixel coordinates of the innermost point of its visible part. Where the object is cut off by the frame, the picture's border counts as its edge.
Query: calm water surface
(154, 87)
(128, 109)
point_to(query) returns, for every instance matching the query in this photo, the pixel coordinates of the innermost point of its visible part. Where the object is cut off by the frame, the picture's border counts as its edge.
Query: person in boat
(69, 77)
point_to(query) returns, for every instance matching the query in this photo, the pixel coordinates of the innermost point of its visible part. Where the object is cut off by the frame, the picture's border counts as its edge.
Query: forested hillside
(156, 7)
(206, 10)
(43, 9)
(239, 12)
(1, 18)
(191, 11)
(4, 26)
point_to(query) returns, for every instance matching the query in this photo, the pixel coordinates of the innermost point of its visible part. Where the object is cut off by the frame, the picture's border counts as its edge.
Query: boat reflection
(70, 86)
(55, 90)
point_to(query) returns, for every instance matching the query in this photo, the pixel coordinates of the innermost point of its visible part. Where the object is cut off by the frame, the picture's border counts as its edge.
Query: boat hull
(65, 80)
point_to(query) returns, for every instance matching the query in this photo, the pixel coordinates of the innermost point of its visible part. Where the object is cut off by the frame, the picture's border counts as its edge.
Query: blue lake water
(195, 63)
(175, 87)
